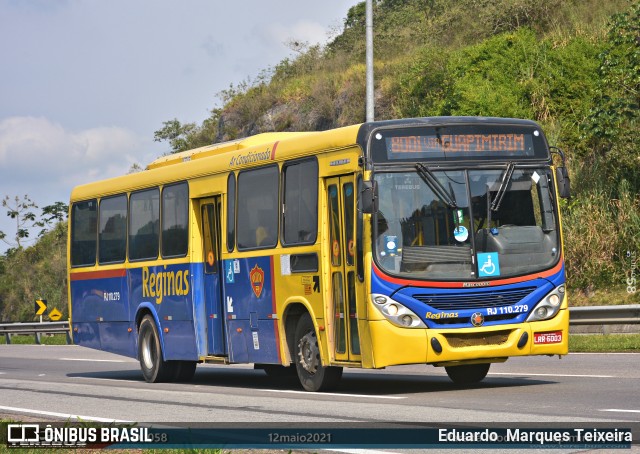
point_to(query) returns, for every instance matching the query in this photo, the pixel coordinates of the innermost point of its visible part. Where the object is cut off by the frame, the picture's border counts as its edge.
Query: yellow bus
(416, 241)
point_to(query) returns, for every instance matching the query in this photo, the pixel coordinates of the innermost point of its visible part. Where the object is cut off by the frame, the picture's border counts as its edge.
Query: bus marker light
(129, 330)
(238, 330)
(166, 330)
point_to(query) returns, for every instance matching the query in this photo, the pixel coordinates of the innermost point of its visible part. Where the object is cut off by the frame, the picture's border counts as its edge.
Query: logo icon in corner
(257, 280)
(477, 319)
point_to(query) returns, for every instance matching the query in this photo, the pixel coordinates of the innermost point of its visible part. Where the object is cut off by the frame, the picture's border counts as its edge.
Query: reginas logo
(441, 315)
(164, 283)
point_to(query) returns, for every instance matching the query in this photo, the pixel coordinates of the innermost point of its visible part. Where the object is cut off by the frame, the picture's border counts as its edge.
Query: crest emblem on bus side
(256, 276)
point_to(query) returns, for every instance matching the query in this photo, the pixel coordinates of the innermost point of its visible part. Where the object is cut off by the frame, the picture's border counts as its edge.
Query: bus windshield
(471, 224)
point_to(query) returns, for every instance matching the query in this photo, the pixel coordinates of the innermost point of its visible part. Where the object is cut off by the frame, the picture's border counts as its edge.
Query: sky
(85, 83)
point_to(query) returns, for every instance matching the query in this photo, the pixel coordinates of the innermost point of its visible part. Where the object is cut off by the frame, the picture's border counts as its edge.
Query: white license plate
(554, 337)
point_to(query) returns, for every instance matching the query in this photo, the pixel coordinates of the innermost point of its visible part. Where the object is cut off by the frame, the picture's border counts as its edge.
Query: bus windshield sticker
(488, 264)
(229, 274)
(461, 234)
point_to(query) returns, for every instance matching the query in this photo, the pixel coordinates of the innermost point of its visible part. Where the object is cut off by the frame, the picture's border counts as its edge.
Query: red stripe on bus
(459, 284)
(273, 303)
(273, 151)
(98, 275)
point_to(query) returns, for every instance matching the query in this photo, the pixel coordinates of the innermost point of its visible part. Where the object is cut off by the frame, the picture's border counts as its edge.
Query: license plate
(554, 337)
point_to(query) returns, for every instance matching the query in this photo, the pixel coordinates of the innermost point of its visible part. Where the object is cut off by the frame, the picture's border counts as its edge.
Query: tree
(19, 210)
(175, 133)
(51, 215)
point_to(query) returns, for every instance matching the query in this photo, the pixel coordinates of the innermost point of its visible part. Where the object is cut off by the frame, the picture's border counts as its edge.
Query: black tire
(184, 370)
(154, 368)
(312, 374)
(468, 374)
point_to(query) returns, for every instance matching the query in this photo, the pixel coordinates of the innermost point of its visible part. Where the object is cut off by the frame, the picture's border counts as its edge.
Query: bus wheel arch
(312, 374)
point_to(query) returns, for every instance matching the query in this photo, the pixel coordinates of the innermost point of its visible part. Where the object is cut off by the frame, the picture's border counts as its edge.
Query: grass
(594, 343)
(29, 339)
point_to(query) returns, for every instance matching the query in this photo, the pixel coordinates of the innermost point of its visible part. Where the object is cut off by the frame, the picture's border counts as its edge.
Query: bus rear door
(212, 267)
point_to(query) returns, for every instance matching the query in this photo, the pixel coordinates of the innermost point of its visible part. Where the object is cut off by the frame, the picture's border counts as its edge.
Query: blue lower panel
(108, 336)
(86, 334)
(114, 338)
(180, 342)
(253, 345)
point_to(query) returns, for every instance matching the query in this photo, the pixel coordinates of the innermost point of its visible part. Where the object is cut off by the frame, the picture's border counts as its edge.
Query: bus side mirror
(369, 197)
(562, 178)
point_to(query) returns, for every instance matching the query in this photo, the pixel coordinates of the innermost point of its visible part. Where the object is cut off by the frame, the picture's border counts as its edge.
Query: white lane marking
(551, 375)
(306, 393)
(3, 373)
(62, 415)
(98, 360)
(621, 411)
(41, 375)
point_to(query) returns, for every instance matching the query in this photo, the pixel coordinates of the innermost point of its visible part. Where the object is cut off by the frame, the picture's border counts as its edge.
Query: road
(74, 380)
(58, 382)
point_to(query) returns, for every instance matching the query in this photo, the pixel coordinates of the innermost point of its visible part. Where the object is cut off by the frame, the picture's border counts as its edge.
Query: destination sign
(460, 143)
(454, 143)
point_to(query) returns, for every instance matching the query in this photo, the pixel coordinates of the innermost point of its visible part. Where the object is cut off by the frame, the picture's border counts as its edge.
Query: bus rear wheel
(154, 368)
(468, 373)
(312, 374)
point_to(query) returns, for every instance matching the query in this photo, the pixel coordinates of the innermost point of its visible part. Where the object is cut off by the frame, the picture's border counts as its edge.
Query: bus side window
(258, 207)
(300, 201)
(175, 220)
(112, 237)
(84, 229)
(144, 222)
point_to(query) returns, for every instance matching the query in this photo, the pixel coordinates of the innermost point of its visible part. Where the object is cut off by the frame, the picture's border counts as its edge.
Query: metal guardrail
(605, 315)
(578, 316)
(35, 328)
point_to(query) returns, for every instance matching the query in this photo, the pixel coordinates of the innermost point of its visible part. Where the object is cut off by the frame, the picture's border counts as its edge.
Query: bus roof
(221, 157)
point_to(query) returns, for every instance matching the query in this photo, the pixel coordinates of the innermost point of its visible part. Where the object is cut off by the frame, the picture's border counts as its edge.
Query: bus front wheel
(468, 373)
(312, 374)
(154, 368)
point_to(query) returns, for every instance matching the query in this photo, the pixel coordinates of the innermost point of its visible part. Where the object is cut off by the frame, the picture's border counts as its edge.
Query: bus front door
(341, 198)
(213, 269)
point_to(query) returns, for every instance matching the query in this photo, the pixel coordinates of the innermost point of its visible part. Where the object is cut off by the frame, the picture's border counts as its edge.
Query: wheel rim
(309, 353)
(148, 356)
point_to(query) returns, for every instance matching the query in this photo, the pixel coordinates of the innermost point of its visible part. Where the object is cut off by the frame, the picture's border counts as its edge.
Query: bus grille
(477, 339)
(474, 300)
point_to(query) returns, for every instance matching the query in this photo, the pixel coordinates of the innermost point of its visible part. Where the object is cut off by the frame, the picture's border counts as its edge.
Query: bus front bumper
(392, 345)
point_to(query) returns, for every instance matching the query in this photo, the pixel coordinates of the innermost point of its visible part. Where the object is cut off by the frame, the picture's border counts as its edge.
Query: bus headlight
(396, 313)
(549, 306)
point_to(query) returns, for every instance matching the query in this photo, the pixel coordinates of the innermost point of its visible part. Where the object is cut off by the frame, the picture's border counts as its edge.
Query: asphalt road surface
(62, 382)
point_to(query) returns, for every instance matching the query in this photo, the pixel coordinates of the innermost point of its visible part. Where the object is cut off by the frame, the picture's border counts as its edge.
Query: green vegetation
(572, 65)
(24, 339)
(604, 343)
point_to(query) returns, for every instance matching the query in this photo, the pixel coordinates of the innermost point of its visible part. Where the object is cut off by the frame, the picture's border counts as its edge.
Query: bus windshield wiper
(433, 183)
(506, 178)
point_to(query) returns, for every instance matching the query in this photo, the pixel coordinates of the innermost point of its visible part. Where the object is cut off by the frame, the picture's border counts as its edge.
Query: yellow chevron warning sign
(55, 314)
(40, 307)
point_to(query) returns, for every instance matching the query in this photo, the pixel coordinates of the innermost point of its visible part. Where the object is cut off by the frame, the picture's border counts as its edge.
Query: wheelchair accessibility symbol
(488, 264)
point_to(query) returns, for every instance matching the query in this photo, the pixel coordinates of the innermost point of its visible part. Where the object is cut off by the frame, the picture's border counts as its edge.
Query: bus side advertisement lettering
(164, 283)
